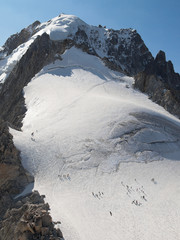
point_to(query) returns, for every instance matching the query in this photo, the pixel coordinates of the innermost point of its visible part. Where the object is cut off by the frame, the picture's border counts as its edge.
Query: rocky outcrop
(28, 219)
(13, 177)
(132, 55)
(161, 83)
(123, 49)
(17, 39)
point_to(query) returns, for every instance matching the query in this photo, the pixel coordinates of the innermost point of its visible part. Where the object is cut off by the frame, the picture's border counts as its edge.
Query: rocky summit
(76, 106)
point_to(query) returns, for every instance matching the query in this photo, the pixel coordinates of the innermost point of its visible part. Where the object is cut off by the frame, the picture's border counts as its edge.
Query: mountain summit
(103, 155)
(123, 47)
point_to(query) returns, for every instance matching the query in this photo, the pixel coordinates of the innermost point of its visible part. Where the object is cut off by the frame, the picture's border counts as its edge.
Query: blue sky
(157, 21)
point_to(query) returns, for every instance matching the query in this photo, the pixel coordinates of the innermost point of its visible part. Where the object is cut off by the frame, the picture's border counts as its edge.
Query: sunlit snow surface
(96, 147)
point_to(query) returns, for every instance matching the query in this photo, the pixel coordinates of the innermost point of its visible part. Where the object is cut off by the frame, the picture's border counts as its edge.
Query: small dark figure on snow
(143, 197)
(110, 213)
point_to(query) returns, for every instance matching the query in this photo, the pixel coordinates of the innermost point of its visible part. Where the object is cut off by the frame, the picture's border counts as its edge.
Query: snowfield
(105, 156)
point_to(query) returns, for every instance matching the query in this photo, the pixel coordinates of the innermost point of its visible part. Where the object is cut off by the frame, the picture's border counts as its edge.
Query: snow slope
(105, 156)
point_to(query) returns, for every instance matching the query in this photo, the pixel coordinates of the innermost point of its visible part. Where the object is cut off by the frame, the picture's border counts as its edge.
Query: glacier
(104, 155)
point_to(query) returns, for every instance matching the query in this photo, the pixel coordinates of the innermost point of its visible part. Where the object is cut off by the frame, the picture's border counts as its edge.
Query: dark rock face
(165, 70)
(161, 83)
(13, 177)
(40, 53)
(124, 49)
(17, 39)
(10, 160)
(131, 55)
(28, 218)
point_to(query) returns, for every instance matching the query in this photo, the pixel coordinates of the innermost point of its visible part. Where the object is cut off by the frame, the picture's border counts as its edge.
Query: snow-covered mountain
(124, 45)
(105, 156)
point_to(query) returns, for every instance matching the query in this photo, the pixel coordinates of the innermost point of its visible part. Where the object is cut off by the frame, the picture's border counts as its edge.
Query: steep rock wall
(161, 83)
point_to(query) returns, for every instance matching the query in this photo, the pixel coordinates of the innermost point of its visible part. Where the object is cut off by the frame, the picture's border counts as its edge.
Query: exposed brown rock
(44, 231)
(161, 83)
(46, 220)
(13, 177)
(129, 56)
(29, 220)
(17, 39)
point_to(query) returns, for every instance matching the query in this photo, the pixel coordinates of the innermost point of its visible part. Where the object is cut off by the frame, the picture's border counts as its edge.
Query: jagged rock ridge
(17, 39)
(161, 83)
(13, 176)
(123, 48)
(28, 218)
